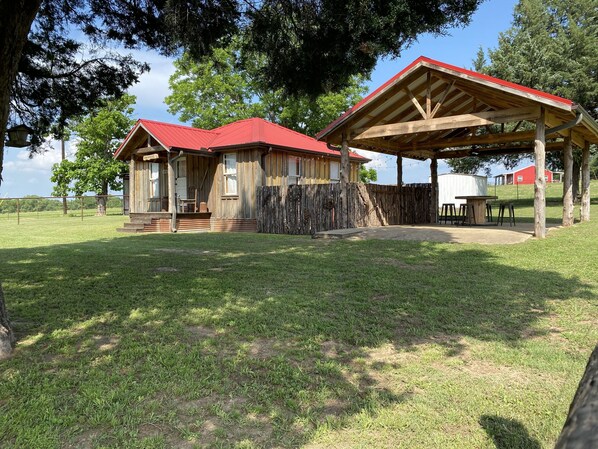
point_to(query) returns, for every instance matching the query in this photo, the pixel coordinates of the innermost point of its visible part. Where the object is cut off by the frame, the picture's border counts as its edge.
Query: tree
(218, 90)
(551, 46)
(309, 46)
(94, 168)
(367, 175)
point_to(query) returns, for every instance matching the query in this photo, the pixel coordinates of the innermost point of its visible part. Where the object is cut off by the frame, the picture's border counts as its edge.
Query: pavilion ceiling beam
(416, 103)
(428, 94)
(497, 150)
(451, 122)
(438, 105)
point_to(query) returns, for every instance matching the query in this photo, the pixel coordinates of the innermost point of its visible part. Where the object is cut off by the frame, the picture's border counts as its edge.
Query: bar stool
(501, 213)
(489, 212)
(469, 212)
(448, 212)
(462, 212)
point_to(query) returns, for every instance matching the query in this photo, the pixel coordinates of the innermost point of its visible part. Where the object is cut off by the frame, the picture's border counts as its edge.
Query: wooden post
(63, 157)
(585, 183)
(568, 182)
(81, 208)
(171, 186)
(132, 208)
(345, 167)
(18, 212)
(399, 171)
(540, 182)
(434, 182)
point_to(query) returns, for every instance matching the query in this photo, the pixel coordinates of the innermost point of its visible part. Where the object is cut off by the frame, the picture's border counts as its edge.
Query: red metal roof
(431, 63)
(253, 131)
(178, 136)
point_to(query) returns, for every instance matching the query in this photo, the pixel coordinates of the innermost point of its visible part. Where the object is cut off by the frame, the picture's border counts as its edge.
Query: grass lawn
(252, 340)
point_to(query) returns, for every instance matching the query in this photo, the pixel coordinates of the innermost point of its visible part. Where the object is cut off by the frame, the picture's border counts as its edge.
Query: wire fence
(32, 207)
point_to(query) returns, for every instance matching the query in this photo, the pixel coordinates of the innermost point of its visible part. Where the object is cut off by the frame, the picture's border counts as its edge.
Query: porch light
(18, 136)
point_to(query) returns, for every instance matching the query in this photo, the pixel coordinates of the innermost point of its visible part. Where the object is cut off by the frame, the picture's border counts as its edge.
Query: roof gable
(441, 106)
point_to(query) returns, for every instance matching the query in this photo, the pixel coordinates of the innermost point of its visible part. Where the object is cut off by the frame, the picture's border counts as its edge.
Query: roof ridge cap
(177, 125)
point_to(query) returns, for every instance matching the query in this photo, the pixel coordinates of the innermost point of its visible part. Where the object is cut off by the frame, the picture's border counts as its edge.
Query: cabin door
(181, 178)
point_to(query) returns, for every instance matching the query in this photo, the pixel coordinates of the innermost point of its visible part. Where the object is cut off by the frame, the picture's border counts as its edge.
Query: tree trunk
(581, 428)
(16, 17)
(101, 200)
(7, 336)
(101, 205)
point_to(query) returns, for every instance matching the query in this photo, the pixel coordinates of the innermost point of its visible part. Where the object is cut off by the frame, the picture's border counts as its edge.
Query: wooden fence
(305, 209)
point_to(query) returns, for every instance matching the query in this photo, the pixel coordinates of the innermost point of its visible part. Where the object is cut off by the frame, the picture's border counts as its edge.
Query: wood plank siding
(255, 167)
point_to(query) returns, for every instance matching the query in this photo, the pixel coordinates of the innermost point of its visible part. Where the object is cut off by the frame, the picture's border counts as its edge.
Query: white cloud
(152, 87)
(38, 163)
(379, 161)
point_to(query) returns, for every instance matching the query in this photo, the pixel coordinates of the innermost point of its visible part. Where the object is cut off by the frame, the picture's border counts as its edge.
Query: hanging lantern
(18, 136)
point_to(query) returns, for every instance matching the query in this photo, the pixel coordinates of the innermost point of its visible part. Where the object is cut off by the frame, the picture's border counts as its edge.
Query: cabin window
(155, 180)
(230, 174)
(519, 178)
(335, 171)
(294, 170)
(181, 168)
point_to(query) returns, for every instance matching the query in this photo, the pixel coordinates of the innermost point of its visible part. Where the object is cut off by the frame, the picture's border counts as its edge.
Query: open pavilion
(432, 110)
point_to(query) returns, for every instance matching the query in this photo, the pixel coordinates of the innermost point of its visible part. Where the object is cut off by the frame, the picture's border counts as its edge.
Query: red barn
(524, 175)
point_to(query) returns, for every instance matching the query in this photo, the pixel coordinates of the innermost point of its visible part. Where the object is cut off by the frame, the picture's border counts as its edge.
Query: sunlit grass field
(262, 341)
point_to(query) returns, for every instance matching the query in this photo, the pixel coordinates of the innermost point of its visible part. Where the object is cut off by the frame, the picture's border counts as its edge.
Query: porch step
(135, 225)
(129, 230)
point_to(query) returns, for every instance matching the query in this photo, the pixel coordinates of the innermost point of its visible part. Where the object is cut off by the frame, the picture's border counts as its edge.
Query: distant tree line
(34, 203)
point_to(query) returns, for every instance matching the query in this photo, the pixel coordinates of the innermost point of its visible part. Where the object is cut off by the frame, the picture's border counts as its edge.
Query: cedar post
(585, 183)
(540, 182)
(434, 181)
(171, 186)
(344, 180)
(568, 183)
(399, 171)
(131, 186)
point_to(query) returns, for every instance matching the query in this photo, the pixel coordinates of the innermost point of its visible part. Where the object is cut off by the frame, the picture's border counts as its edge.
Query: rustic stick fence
(305, 209)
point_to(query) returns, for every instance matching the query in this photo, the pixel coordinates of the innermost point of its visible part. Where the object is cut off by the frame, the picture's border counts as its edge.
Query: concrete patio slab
(489, 235)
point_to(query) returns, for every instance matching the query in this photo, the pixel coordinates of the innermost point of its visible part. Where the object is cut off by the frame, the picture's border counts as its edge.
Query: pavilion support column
(345, 167)
(540, 182)
(434, 182)
(132, 208)
(568, 182)
(399, 171)
(585, 183)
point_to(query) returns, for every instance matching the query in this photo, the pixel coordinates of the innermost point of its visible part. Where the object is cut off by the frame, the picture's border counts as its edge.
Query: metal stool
(501, 213)
(448, 212)
(489, 212)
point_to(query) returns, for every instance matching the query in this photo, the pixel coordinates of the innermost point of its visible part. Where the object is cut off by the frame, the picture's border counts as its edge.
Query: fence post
(18, 212)
(81, 208)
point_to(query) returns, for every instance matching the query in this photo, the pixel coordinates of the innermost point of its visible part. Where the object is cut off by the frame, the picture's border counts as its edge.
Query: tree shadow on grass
(229, 339)
(508, 433)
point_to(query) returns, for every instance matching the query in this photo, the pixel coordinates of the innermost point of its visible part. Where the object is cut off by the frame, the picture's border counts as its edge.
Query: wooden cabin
(188, 179)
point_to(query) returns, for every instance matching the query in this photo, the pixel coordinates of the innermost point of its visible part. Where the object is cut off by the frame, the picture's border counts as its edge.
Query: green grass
(251, 340)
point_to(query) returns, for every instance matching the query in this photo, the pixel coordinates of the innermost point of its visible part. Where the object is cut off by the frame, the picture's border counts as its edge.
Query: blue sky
(24, 176)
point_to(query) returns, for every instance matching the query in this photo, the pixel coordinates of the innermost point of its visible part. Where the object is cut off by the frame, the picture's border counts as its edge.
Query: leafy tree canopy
(367, 175)
(307, 46)
(94, 168)
(219, 89)
(551, 46)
